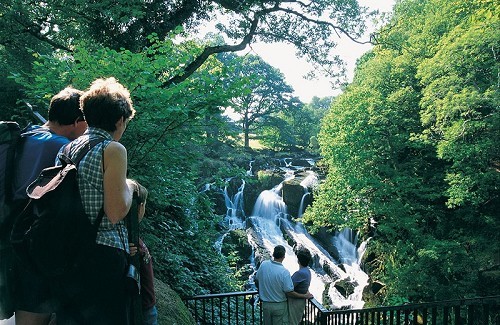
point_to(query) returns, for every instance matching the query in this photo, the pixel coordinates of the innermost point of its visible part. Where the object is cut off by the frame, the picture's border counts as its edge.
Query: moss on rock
(171, 309)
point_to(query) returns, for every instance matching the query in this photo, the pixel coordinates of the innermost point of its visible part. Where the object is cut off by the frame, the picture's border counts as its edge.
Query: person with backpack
(95, 291)
(34, 302)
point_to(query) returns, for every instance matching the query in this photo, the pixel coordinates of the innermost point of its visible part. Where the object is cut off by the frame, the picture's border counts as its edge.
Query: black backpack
(53, 232)
(10, 138)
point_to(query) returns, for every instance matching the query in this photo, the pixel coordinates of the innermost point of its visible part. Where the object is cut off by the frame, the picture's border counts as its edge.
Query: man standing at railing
(274, 283)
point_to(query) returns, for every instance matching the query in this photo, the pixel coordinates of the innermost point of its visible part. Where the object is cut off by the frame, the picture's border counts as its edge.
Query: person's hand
(132, 248)
(308, 295)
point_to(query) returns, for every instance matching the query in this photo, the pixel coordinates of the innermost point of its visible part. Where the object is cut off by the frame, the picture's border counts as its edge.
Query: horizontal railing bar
(450, 310)
(447, 303)
(223, 295)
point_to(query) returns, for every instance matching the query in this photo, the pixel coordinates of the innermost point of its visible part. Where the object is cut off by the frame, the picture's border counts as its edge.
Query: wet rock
(373, 293)
(345, 287)
(301, 162)
(292, 193)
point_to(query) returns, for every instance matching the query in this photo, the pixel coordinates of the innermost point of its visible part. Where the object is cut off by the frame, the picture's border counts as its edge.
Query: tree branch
(198, 61)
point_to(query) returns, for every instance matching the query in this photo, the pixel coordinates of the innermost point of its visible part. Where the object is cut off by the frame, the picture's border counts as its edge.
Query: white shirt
(274, 281)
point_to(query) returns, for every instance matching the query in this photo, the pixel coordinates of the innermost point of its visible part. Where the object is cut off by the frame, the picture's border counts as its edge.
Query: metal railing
(243, 308)
(226, 308)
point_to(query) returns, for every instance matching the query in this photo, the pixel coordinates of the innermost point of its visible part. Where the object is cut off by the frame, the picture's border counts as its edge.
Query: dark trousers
(95, 293)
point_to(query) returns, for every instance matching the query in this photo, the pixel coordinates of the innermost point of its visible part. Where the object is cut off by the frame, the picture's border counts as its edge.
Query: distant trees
(296, 126)
(264, 92)
(412, 148)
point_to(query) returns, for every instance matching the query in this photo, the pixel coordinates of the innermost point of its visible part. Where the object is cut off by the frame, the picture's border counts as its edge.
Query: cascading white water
(270, 222)
(235, 215)
(301, 206)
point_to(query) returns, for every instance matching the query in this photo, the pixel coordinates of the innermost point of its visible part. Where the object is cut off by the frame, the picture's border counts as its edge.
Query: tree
(27, 26)
(307, 121)
(265, 93)
(295, 125)
(412, 147)
(278, 132)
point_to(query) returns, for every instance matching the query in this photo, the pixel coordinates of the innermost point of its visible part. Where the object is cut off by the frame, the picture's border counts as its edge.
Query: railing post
(322, 318)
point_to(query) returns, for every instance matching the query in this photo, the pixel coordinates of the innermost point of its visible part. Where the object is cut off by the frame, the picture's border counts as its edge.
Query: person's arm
(117, 190)
(294, 294)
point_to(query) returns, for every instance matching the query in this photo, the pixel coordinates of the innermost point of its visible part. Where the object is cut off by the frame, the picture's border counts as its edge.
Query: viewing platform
(240, 308)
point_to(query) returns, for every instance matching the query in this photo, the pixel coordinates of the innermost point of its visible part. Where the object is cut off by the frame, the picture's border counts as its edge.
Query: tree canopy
(412, 148)
(312, 26)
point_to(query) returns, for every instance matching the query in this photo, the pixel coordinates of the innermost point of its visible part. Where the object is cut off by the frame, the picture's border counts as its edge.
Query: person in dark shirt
(149, 311)
(34, 300)
(301, 282)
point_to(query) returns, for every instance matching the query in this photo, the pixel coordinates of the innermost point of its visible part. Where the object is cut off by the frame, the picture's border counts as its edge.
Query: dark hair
(105, 103)
(304, 256)
(64, 107)
(279, 252)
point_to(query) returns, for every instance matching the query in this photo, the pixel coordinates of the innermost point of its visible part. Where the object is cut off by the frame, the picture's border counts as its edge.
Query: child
(149, 311)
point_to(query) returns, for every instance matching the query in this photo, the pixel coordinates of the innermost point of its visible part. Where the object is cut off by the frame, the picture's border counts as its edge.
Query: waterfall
(235, 215)
(301, 207)
(337, 279)
(335, 283)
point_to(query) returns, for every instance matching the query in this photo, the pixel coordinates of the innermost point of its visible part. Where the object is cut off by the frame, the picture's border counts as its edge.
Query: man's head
(279, 252)
(106, 103)
(65, 116)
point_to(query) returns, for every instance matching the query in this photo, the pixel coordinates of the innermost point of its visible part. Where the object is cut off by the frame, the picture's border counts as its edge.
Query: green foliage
(412, 147)
(238, 252)
(295, 125)
(264, 94)
(163, 144)
(461, 106)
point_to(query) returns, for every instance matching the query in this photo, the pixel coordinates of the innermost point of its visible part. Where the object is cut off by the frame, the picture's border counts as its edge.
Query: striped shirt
(91, 185)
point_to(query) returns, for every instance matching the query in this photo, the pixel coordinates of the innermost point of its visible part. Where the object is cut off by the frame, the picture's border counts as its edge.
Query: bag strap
(97, 221)
(65, 155)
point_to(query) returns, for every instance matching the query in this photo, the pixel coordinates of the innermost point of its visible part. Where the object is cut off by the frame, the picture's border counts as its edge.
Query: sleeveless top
(91, 185)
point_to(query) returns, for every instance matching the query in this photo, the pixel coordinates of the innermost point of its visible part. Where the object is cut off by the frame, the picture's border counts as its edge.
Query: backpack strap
(64, 155)
(97, 221)
(64, 158)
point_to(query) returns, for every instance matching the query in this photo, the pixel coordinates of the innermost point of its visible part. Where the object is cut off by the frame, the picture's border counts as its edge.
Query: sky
(282, 57)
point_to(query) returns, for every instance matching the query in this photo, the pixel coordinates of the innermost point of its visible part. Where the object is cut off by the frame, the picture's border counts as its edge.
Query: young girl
(149, 311)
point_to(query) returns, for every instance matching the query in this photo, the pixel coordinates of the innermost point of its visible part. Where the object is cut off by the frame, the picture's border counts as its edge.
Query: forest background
(410, 146)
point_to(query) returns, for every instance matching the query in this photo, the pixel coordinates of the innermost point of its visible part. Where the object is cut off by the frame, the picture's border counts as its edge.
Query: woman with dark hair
(301, 281)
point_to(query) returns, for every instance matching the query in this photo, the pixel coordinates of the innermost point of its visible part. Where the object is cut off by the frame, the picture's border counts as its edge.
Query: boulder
(171, 309)
(301, 162)
(292, 194)
(260, 252)
(373, 293)
(345, 287)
